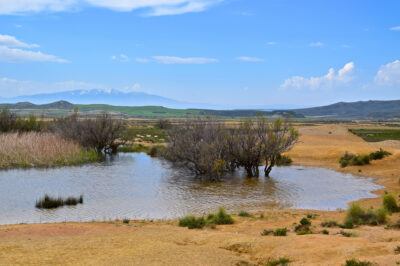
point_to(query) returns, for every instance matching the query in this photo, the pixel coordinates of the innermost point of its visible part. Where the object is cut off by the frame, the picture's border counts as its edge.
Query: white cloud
(317, 44)
(11, 41)
(168, 60)
(395, 28)
(388, 74)
(329, 80)
(122, 58)
(272, 43)
(14, 55)
(157, 7)
(27, 6)
(8, 52)
(249, 59)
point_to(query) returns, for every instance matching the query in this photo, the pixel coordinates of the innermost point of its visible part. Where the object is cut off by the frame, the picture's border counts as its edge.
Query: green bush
(244, 214)
(192, 222)
(358, 216)
(397, 250)
(283, 160)
(352, 159)
(389, 203)
(305, 222)
(379, 154)
(280, 232)
(280, 261)
(330, 224)
(325, 232)
(221, 217)
(354, 262)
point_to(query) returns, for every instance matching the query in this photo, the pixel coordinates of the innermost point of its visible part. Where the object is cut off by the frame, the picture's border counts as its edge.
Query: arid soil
(164, 243)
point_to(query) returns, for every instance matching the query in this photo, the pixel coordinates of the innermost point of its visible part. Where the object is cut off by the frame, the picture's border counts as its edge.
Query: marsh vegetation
(48, 202)
(211, 148)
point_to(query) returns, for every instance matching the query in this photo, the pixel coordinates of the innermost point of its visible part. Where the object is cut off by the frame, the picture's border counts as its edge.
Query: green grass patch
(375, 135)
(245, 214)
(192, 222)
(280, 232)
(355, 262)
(219, 218)
(280, 261)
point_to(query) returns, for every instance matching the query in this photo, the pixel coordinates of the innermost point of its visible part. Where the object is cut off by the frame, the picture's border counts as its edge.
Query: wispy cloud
(11, 41)
(14, 55)
(272, 43)
(156, 7)
(142, 60)
(168, 60)
(329, 80)
(249, 59)
(121, 58)
(389, 74)
(395, 28)
(317, 44)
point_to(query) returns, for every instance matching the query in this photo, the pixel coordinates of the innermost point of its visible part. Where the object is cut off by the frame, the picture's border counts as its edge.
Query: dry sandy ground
(164, 243)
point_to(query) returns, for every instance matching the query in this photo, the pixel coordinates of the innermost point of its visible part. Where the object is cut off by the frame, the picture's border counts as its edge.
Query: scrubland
(241, 243)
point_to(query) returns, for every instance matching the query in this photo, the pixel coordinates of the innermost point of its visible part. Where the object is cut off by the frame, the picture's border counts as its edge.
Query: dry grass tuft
(41, 150)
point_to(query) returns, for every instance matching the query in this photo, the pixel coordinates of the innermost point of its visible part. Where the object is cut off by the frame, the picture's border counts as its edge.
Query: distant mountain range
(361, 110)
(112, 97)
(118, 98)
(139, 104)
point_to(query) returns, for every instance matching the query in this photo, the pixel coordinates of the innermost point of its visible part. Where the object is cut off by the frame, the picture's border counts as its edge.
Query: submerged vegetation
(48, 202)
(208, 147)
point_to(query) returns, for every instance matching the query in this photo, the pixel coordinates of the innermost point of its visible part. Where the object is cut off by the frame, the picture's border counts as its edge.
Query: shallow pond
(136, 186)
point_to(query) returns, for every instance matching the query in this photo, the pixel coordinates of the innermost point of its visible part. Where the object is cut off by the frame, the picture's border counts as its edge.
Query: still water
(136, 186)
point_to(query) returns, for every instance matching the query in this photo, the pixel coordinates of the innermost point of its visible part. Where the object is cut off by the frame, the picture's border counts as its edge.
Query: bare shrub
(101, 133)
(208, 147)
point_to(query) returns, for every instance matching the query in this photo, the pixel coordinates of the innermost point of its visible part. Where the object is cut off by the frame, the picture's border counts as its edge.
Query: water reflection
(137, 186)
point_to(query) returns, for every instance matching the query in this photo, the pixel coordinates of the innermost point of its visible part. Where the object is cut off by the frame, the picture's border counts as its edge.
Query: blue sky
(230, 52)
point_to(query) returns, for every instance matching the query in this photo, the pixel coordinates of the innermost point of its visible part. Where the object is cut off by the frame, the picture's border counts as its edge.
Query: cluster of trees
(208, 147)
(101, 133)
(10, 122)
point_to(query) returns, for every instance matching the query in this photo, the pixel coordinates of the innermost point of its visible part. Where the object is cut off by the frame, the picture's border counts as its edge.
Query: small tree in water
(208, 147)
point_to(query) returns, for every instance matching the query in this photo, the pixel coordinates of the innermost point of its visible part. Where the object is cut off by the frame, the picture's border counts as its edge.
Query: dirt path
(164, 243)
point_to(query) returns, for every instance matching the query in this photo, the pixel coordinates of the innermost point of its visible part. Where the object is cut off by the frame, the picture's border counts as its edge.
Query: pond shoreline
(151, 243)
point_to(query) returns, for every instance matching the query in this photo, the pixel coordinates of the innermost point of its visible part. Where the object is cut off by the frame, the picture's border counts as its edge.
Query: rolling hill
(355, 110)
(62, 108)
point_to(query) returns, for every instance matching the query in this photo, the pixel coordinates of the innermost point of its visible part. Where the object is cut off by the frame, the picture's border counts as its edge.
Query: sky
(228, 52)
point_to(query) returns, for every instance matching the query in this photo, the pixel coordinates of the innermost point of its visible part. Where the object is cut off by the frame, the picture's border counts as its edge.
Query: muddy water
(137, 186)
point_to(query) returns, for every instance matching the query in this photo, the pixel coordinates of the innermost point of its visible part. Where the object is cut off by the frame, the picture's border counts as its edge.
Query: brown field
(164, 243)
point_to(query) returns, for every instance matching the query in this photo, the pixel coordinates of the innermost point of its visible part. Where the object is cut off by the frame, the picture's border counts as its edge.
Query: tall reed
(35, 149)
